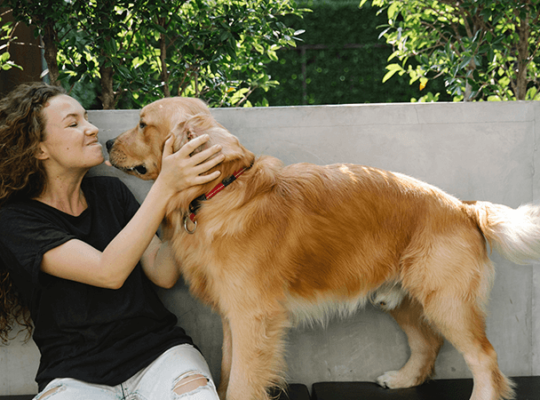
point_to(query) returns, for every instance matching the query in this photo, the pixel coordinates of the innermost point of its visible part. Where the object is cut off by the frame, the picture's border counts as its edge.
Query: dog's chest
(194, 256)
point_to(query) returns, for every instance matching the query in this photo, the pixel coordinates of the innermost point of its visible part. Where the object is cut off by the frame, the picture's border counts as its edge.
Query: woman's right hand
(180, 171)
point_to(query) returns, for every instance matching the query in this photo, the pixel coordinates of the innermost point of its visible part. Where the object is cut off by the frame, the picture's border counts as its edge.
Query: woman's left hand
(180, 171)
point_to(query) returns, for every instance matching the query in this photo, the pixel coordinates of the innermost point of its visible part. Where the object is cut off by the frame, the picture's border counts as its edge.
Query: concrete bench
(527, 388)
(484, 151)
(295, 391)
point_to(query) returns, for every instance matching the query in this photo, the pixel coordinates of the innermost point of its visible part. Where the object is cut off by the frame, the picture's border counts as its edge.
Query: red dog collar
(197, 203)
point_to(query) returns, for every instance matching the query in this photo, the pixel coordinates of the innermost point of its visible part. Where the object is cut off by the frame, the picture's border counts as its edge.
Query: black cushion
(295, 391)
(527, 388)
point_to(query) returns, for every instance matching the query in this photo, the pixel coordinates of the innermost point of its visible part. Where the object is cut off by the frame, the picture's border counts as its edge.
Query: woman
(80, 254)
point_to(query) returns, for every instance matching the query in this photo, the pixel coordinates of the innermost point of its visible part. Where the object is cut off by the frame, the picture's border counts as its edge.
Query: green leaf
(124, 71)
(392, 10)
(160, 29)
(392, 69)
(464, 63)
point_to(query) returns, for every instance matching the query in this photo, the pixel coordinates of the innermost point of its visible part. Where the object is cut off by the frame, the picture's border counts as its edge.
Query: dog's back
(344, 230)
(336, 232)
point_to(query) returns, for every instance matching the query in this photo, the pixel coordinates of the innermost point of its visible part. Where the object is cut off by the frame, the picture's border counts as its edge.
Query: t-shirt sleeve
(25, 238)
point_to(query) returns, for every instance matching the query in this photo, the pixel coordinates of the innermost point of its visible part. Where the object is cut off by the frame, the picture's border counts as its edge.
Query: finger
(168, 147)
(209, 164)
(201, 179)
(190, 146)
(206, 154)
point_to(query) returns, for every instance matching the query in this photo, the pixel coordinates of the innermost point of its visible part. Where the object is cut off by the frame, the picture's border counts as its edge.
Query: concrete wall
(481, 151)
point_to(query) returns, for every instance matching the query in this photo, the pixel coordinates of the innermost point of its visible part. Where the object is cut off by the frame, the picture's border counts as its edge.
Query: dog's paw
(395, 380)
(386, 380)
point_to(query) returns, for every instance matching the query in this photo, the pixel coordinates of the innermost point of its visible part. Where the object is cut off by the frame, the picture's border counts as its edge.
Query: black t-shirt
(84, 332)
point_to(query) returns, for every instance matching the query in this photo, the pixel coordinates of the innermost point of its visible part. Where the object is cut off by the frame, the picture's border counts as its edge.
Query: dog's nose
(109, 144)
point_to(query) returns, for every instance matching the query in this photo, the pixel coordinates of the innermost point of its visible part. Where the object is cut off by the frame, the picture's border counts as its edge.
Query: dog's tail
(515, 233)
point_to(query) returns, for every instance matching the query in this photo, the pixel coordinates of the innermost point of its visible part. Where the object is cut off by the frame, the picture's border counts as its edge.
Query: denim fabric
(156, 382)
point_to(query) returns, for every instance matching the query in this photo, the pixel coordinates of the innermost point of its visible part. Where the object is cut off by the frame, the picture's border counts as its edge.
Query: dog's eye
(142, 125)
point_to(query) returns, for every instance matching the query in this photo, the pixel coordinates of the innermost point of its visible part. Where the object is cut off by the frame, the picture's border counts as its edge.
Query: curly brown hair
(22, 126)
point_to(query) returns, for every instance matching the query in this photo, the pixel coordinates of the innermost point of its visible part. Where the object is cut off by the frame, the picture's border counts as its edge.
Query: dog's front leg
(257, 357)
(226, 358)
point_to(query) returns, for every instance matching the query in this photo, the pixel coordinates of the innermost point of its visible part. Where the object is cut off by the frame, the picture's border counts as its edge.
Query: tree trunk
(164, 71)
(522, 58)
(107, 93)
(51, 52)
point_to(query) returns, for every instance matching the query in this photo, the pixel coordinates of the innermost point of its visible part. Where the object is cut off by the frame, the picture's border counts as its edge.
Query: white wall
(479, 151)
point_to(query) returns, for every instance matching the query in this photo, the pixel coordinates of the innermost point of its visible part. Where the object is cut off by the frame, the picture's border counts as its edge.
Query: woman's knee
(189, 383)
(50, 392)
(196, 384)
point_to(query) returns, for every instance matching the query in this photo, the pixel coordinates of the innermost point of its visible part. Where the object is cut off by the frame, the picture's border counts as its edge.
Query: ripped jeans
(179, 373)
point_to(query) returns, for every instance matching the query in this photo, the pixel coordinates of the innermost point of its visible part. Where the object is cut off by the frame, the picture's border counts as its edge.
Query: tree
(485, 49)
(212, 49)
(101, 45)
(141, 50)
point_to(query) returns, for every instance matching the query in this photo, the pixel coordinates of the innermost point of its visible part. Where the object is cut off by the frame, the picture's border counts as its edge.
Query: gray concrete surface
(480, 151)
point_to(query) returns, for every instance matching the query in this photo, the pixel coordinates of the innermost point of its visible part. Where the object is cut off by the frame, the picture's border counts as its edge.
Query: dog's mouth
(138, 169)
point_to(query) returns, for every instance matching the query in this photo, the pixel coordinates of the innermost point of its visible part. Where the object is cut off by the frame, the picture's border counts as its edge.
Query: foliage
(7, 30)
(484, 49)
(339, 61)
(142, 50)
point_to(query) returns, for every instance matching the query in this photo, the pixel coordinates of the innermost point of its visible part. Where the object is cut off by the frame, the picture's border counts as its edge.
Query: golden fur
(306, 241)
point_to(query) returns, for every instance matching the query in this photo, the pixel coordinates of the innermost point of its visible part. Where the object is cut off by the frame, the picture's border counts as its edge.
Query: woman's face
(71, 141)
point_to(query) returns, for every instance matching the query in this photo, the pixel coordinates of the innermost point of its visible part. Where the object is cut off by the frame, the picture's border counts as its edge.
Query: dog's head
(138, 151)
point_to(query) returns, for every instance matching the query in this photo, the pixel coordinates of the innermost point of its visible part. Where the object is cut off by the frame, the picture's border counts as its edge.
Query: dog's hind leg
(257, 359)
(226, 358)
(424, 343)
(450, 275)
(462, 322)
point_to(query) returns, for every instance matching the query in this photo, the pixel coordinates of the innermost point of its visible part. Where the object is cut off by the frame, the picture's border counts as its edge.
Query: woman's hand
(179, 171)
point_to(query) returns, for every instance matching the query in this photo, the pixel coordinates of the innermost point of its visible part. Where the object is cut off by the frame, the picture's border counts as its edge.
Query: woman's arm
(159, 265)
(78, 261)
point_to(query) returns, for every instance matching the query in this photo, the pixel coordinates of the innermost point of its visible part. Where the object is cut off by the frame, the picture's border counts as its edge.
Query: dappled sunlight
(345, 170)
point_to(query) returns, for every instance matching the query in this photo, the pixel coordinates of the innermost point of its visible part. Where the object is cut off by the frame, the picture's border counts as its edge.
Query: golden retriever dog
(274, 244)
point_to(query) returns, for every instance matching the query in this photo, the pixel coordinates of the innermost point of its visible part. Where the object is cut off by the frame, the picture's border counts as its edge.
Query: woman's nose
(91, 130)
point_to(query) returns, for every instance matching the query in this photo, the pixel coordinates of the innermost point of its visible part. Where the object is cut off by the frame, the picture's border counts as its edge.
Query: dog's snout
(109, 145)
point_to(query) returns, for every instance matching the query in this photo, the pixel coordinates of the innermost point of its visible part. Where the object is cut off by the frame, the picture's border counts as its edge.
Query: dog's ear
(183, 133)
(204, 123)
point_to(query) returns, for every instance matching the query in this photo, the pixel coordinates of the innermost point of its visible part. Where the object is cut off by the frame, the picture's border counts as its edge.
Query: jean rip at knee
(192, 385)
